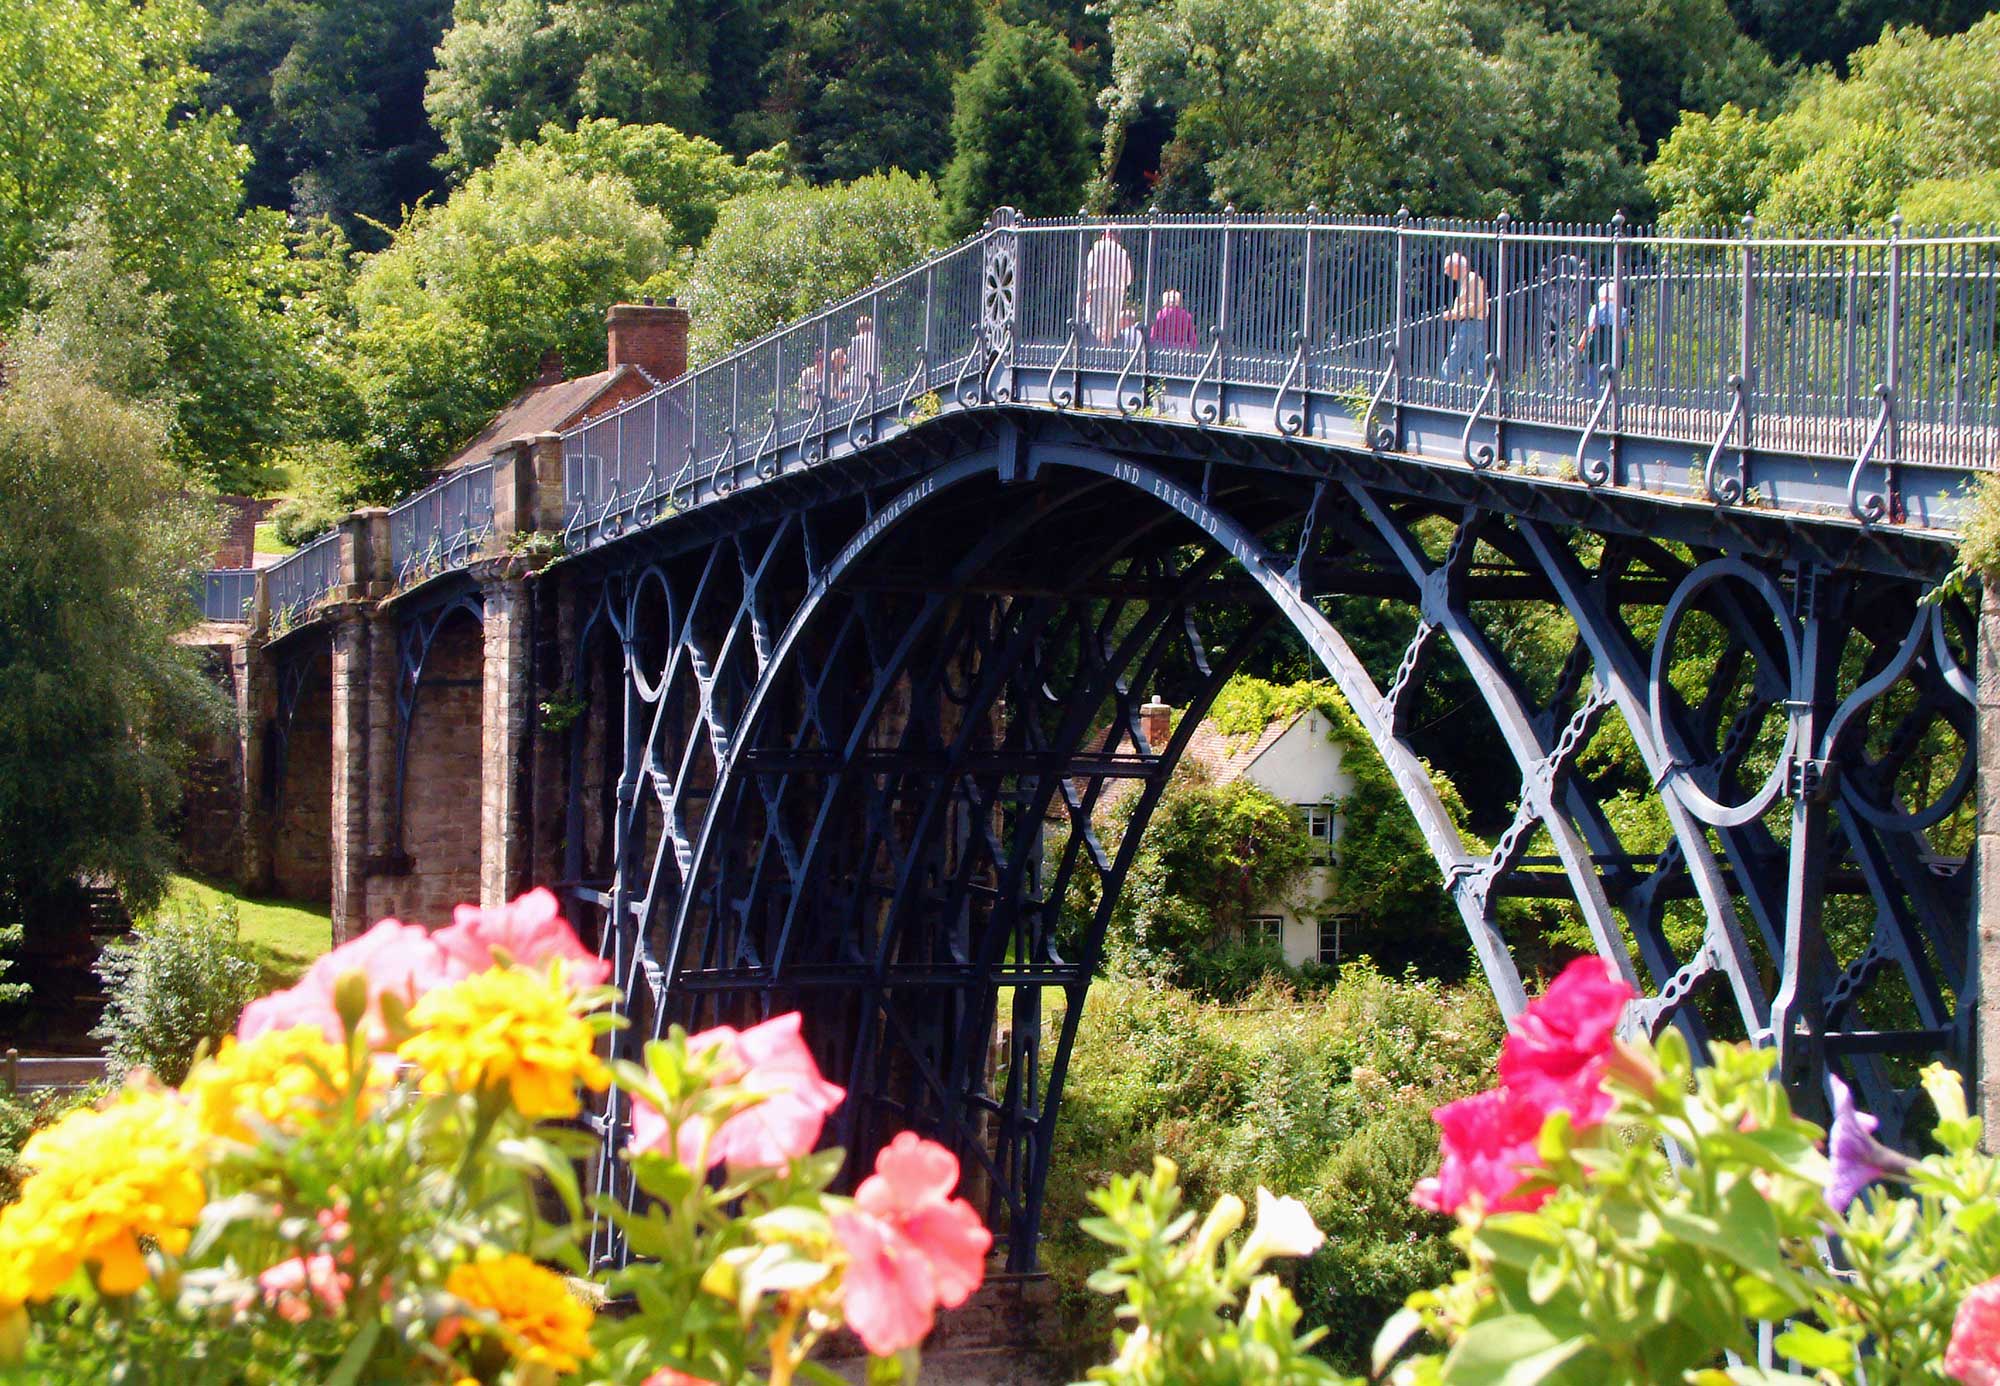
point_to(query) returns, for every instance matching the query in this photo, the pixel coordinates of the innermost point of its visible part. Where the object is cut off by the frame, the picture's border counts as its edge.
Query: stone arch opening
(298, 786)
(442, 771)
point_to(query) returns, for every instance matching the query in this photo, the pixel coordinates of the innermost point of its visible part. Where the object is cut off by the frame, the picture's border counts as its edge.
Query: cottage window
(1319, 825)
(1267, 928)
(1330, 930)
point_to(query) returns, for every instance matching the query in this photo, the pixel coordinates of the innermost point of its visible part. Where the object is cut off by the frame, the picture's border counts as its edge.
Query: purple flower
(1858, 1158)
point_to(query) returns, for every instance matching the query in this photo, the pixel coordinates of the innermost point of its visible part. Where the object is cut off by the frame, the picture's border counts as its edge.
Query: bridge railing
(301, 579)
(1835, 348)
(442, 526)
(225, 595)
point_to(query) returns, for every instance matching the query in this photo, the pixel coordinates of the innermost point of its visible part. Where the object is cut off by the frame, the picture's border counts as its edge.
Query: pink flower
(291, 1287)
(768, 1059)
(1974, 1354)
(1488, 1149)
(667, 1376)
(393, 957)
(910, 1246)
(1559, 1049)
(530, 930)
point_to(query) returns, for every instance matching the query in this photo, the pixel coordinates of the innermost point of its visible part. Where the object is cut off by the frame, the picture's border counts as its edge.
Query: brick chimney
(652, 336)
(1156, 720)
(550, 372)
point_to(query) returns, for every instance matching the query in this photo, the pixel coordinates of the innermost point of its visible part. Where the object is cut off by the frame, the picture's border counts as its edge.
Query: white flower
(1284, 1228)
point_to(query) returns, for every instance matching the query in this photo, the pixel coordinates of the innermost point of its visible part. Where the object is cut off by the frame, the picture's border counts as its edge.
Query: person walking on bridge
(1107, 274)
(1465, 356)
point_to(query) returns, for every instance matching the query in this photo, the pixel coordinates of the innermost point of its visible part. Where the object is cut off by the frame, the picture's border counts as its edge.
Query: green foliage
(173, 990)
(1211, 853)
(330, 100)
(1368, 105)
(1196, 1309)
(685, 178)
(1913, 110)
(1020, 130)
(1325, 1096)
(1812, 32)
(507, 68)
(97, 113)
(451, 319)
(1638, 1271)
(783, 253)
(95, 697)
(856, 87)
(10, 940)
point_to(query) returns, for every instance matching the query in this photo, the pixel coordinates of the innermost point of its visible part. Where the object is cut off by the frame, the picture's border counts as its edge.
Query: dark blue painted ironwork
(443, 526)
(868, 647)
(225, 594)
(299, 581)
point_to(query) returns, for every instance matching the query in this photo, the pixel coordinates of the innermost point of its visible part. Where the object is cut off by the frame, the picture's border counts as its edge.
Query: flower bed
(358, 1187)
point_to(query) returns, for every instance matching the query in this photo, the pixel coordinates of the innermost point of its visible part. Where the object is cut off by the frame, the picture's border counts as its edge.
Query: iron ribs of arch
(859, 779)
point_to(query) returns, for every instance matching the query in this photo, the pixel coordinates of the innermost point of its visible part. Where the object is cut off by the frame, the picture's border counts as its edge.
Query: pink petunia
(1487, 1147)
(667, 1376)
(1559, 1049)
(531, 931)
(1973, 1356)
(768, 1059)
(394, 958)
(911, 1246)
(294, 1287)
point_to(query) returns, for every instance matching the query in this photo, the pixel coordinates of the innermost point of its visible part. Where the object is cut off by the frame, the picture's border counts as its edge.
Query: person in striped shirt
(1465, 357)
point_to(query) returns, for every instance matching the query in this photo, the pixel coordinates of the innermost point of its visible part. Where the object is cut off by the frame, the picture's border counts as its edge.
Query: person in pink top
(1173, 325)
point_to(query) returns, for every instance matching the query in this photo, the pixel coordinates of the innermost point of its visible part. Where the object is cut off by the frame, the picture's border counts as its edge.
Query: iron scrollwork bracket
(1486, 454)
(1291, 426)
(1206, 414)
(1139, 356)
(1873, 507)
(1597, 471)
(1382, 439)
(1727, 490)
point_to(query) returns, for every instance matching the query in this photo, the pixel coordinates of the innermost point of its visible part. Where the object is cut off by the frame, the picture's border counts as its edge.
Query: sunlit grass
(283, 935)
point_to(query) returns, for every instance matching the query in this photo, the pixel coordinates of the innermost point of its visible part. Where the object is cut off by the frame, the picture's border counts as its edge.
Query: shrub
(299, 522)
(1325, 1094)
(179, 985)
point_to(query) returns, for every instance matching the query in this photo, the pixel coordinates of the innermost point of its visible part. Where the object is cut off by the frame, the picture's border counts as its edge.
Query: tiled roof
(1225, 756)
(541, 409)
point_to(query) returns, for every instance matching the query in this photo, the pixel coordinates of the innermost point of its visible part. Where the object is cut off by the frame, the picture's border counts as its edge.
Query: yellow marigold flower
(537, 1317)
(280, 1077)
(101, 1180)
(509, 1026)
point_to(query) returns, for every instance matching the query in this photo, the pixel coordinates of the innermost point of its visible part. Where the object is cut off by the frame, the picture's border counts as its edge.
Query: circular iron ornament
(997, 278)
(1564, 294)
(1677, 775)
(1925, 658)
(638, 642)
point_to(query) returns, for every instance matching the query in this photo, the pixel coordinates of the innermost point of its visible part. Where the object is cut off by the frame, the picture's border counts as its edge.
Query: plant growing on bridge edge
(371, 1180)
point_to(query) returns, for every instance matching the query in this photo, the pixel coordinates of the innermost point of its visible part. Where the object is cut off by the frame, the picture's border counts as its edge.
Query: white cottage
(1296, 760)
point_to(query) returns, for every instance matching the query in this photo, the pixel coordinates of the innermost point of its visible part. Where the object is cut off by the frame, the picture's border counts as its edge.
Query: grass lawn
(268, 542)
(283, 935)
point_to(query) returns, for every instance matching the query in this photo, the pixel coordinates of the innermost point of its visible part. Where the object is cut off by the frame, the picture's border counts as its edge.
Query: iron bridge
(865, 612)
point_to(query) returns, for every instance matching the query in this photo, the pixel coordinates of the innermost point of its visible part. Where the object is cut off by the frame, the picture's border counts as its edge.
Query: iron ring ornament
(1925, 657)
(998, 278)
(1678, 773)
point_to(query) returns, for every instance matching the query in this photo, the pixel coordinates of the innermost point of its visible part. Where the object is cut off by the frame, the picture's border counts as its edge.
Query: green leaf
(1810, 1347)
(1509, 1350)
(348, 1370)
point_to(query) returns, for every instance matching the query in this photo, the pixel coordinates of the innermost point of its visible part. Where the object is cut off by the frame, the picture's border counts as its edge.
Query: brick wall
(302, 832)
(653, 337)
(441, 788)
(238, 529)
(212, 787)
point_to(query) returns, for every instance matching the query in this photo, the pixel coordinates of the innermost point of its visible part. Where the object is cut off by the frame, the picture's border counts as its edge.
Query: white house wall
(1303, 766)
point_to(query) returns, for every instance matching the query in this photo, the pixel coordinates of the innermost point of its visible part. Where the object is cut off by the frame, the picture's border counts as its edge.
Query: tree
(166, 181)
(95, 565)
(1020, 130)
(781, 254)
(330, 100)
(1913, 109)
(452, 317)
(506, 68)
(862, 86)
(1368, 105)
(685, 178)
(1816, 31)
